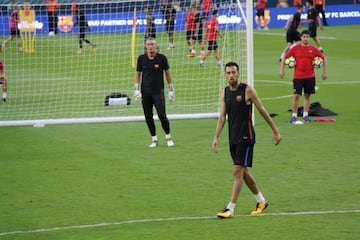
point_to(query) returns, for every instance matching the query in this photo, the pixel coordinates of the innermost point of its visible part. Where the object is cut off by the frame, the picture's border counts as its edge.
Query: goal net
(51, 81)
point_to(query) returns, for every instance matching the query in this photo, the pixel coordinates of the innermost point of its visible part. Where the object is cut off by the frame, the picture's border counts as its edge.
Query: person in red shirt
(207, 5)
(297, 3)
(14, 20)
(3, 81)
(212, 31)
(190, 30)
(260, 13)
(304, 74)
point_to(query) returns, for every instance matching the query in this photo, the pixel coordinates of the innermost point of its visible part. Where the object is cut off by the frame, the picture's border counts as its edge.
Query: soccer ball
(290, 62)
(317, 62)
(51, 34)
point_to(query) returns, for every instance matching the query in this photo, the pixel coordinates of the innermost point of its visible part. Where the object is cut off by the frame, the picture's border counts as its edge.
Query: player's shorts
(82, 35)
(319, 8)
(190, 35)
(308, 84)
(212, 45)
(170, 26)
(293, 36)
(242, 154)
(15, 32)
(312, 30)
(260, 12)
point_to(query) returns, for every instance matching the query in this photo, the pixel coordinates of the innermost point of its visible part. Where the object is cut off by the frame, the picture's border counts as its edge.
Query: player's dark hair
(311, 2)
(214, 12)
(232, 64)
(305, 32)
(300, 6)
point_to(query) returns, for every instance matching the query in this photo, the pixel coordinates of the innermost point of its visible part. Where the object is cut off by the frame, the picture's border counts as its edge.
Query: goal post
(57, 84)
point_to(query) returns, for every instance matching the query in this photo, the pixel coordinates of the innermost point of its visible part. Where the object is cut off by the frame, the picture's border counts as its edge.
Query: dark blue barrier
(122, 21)
(335, 15)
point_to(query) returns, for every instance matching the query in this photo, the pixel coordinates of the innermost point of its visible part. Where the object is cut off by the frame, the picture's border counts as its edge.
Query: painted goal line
(172, 219)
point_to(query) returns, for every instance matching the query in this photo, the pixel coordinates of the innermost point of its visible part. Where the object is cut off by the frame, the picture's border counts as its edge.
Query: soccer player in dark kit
(83, 27)
(149, 86)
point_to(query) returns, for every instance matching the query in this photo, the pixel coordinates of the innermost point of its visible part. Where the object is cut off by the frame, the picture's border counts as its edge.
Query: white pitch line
(282, 35)
(173, 219)
(323, 82)
(278, 97)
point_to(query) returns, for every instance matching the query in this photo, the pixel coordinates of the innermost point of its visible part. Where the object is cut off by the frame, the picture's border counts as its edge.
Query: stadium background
(117, 17)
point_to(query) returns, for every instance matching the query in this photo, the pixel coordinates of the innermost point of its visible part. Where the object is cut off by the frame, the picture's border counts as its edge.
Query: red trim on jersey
(250, 126)
(2, 67)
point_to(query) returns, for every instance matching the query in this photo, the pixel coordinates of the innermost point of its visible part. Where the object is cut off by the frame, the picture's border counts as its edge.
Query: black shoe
(4, 100)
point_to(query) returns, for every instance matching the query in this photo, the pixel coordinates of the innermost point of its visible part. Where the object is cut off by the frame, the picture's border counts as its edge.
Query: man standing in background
(304, 74)
(169, 16)
(212, 32)
(149, 87)
(313, 20)
(320, 8)
(14, 20)
(207, 6)
(52, 10)
(83, 27)
(260, 14)
(3, 81)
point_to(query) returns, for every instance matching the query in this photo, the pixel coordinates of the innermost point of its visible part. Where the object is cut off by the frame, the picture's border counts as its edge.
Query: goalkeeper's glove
(137, 94)
(171, 93)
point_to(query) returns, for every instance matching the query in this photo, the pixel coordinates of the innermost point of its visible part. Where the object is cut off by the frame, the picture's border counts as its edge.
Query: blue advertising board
(121, 22)
(335, 15)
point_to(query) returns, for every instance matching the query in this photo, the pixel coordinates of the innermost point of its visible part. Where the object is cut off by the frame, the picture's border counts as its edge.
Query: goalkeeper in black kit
(83, 26)
(150, 69)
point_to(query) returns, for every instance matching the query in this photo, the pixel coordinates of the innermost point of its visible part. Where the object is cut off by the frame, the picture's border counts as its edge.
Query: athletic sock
(259, 197)
(231, 206)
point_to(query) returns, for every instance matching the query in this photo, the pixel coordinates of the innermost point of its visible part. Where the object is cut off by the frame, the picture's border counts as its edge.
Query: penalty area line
(173, 219)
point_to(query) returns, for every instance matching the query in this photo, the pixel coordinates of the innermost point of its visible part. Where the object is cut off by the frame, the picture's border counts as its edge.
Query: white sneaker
(154, 144)
(170, 142)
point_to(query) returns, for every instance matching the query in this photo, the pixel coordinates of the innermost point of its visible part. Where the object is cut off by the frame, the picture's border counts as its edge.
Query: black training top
(152, 79)
(312, 15)
(239, 116)
(295, 22)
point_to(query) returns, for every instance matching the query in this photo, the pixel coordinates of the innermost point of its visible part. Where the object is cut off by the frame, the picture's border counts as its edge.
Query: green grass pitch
(101, 181)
